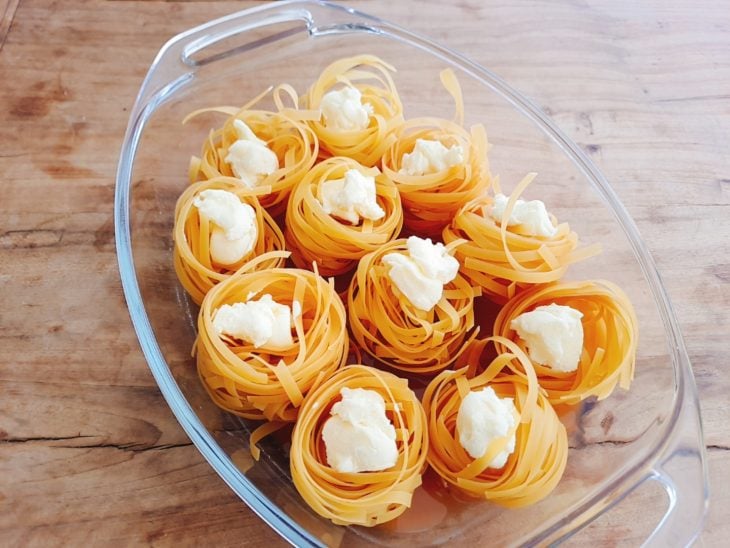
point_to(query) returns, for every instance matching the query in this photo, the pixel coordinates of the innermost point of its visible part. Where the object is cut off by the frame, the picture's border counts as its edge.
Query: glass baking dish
(652, 432)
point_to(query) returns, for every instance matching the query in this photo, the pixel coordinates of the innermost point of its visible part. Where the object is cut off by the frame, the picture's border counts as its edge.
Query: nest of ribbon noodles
(335, 244)
(610, 338)
(284, 131)
(389, 328)
(540, 453)
(359, 498)
(371, 77)
(432, 198)
(264, 383)
(503, 260)
(196, 269)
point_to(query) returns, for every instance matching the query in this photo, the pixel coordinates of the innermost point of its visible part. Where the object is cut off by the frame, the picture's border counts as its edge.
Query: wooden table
(89, 451)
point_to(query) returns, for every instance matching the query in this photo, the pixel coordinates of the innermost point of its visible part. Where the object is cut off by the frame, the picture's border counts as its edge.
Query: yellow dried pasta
(359, 498)
(195, 268)
(389, 328)
(535, 467)
(503, 261)
(285, 131)
(336, 245)
(431, 200)
(372, 77)
(610, 338)
(261, 383)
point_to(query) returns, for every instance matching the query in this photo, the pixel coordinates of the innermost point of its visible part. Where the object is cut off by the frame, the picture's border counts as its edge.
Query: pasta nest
(610, 338)
(261, 383)
(389, 328)
(535, 467)
(285, 131)
(359, 498)
(500, 259)
(195, 268)
(431, 200)
(372, 77)
(336, 245)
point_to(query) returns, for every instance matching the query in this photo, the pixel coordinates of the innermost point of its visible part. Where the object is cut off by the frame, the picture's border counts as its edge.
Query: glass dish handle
(178, 59)
(681, 469)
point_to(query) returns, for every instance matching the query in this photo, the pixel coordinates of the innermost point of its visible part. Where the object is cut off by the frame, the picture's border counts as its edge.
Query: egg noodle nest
(316, 236)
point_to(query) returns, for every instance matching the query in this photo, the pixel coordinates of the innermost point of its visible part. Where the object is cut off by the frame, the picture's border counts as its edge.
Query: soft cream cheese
(344, 110)
(351, 198)
(249, 157)
(235, 231)
(422, 274)
(553, 335)
(483, 416)
(430, 157)
(358, 436)
(532, 216)
(262, 323)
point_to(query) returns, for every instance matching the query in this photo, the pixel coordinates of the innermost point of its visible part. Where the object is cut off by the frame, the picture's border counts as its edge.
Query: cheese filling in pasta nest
(195, 267)
(359, 498)
(610, 338)
(335, 244)
(270, 383)
(372, 79)
(535, 467)
(502, 260)
(390, 329)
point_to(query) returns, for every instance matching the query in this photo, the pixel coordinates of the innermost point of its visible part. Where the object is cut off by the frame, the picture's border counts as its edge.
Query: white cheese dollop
(249, 157)
(358, 436)
(235, 231)
(421, 274)
(350, 198)
(482, 417)
(532, 216)
(430, 157)
(262, 322)
(553, 335)
(343, 110)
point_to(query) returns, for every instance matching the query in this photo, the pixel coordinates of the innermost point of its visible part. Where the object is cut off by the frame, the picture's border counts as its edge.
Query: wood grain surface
(89, 450)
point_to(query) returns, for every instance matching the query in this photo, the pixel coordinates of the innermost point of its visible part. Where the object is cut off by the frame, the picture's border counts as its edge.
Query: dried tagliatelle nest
(270, 382)
(284, 131)
(359, 498)
(386, 325)
(370, 80)
(336, 244)
(503, 259)
(195, 263)
(610, 338)
(540, 443)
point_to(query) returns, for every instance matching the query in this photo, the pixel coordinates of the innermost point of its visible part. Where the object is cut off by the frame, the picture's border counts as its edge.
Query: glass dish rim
(154, 92)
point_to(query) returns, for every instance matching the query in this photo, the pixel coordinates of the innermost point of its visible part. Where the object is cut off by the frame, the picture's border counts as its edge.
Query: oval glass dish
(652, 432)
